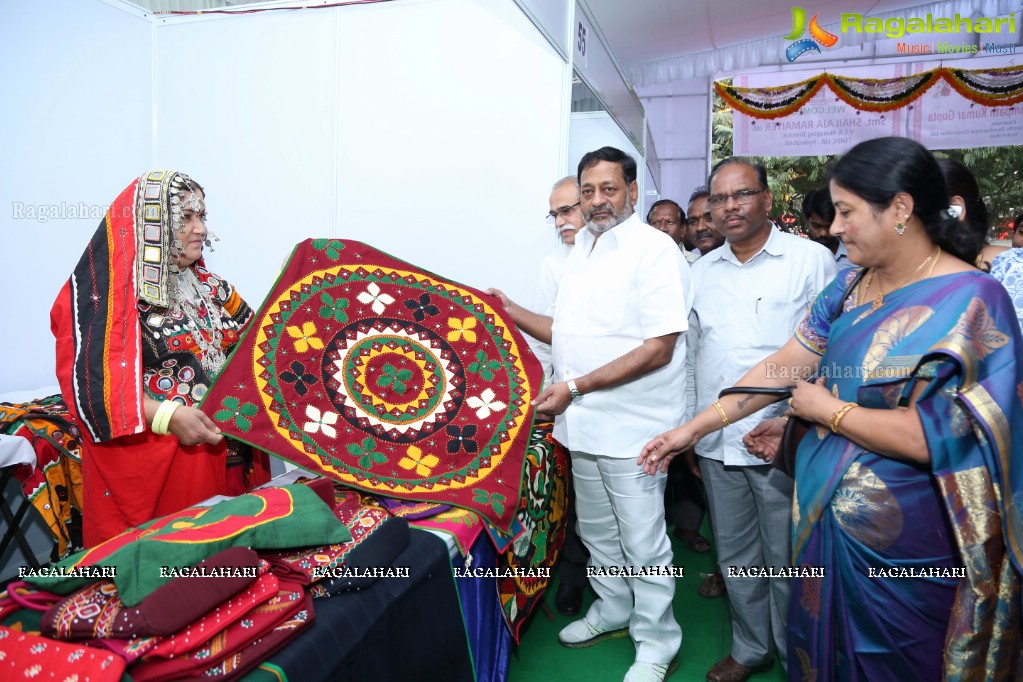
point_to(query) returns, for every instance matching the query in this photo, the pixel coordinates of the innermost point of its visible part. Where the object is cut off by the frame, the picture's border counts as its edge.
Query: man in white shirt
(750, 294)
(619, 356)
(567, 218)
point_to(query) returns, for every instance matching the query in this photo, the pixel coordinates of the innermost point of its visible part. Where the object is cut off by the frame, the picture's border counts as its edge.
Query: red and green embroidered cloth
(386, 378)
(269, 518)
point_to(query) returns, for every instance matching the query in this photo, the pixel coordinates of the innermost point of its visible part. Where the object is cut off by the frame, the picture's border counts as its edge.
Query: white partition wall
(592, 130)
(450, 137)
(247, 105)
(75, 127)
(427, 128)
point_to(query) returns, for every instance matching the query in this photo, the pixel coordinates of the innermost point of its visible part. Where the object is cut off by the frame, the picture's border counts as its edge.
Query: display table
(397, 629)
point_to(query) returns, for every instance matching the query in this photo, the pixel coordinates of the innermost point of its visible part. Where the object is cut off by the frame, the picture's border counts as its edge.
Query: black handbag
(795, 428)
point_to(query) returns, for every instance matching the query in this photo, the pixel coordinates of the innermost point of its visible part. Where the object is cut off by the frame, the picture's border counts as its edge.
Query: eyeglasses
(562, 212)
(742, 197)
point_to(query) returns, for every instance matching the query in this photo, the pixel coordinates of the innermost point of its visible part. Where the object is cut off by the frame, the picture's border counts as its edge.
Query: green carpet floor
(706, 637)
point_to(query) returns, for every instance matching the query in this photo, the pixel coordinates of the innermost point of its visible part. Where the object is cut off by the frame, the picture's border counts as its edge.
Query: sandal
(696, 542)
(713, 586)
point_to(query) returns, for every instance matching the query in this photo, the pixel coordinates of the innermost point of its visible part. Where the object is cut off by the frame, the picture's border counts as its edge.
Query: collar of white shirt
(774, 246)
(586, 238)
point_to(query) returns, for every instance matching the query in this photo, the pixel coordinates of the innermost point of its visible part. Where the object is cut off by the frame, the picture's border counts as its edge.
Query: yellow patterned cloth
(54, 484)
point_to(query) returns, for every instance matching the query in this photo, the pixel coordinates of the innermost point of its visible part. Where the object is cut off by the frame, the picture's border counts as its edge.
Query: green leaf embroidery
(483, 367)
(333, 308)
(237, 411)
(495, 500)
(332, 247)
(366, 453)
(395, 378)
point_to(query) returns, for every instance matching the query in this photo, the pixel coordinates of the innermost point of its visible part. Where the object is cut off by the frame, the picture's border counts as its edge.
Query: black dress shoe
(568, 600)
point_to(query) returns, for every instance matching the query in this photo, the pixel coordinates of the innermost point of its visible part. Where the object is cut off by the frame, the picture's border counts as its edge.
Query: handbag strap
(783, 392)
(779, 392)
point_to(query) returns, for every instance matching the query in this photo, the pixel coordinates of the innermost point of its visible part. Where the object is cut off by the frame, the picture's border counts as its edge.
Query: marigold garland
(990, 87)
(881, 94)
(772, 102)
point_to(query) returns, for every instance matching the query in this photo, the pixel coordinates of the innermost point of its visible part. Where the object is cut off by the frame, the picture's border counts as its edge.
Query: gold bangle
(161, 420)
(836, 418)
(721, 411)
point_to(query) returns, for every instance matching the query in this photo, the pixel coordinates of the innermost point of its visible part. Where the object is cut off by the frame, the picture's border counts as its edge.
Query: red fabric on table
(290, 599)
(96, 611)
(25, 656)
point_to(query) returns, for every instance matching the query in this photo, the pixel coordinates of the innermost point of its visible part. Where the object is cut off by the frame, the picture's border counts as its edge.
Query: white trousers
(621, 522)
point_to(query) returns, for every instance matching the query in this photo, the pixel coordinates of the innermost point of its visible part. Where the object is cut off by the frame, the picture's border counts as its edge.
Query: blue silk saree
(922, 561)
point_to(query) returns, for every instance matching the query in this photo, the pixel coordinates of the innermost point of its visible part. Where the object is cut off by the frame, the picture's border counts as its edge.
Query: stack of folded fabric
(377, 538)
(187, 596)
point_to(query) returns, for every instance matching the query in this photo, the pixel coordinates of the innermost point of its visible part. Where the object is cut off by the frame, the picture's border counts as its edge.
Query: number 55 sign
(580, 44)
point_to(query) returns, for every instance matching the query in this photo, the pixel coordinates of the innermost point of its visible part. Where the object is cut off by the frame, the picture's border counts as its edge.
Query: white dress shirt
(551, 269)
(629, 285)
(691, 257)
(742, 313)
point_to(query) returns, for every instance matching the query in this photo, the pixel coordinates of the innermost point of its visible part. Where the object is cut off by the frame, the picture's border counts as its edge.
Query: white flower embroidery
(320, 422)
(374, 295)
(485, 404)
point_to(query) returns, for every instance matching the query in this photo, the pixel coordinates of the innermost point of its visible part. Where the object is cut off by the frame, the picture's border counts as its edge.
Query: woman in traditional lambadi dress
(913, 474)
(142, 329)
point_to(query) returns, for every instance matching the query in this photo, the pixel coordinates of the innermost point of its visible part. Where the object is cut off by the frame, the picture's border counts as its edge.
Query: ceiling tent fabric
(386, 378)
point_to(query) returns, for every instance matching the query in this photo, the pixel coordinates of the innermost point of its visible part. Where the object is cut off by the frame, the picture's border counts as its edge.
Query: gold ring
(790, 402)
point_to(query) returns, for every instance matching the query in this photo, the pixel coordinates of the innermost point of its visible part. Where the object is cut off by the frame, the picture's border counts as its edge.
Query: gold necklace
(879, 299)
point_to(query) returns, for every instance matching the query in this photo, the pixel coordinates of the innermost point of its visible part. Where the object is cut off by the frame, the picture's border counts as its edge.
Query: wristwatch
(574, 390)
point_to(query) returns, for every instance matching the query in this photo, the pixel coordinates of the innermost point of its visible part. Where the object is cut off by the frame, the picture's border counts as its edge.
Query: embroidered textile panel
(542, 515)
(54, 485)
(386, 378)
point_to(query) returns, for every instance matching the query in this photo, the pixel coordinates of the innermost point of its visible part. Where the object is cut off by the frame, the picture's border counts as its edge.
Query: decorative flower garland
(881, 94)
(990, 87)
(771, 102)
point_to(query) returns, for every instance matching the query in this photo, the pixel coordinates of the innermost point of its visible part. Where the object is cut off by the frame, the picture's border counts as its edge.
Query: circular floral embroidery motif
(384, 377)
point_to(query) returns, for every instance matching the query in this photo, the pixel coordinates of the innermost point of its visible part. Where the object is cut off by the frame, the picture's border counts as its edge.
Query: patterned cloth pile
(54, 484)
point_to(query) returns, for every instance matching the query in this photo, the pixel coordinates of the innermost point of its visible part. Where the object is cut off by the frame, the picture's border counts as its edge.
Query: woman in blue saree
(910, 484)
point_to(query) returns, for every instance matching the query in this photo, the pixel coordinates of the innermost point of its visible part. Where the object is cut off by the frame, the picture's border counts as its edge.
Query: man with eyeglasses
(619, 349)
(668, 217)
(567, 218)
(750, 294)
(702, 232)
